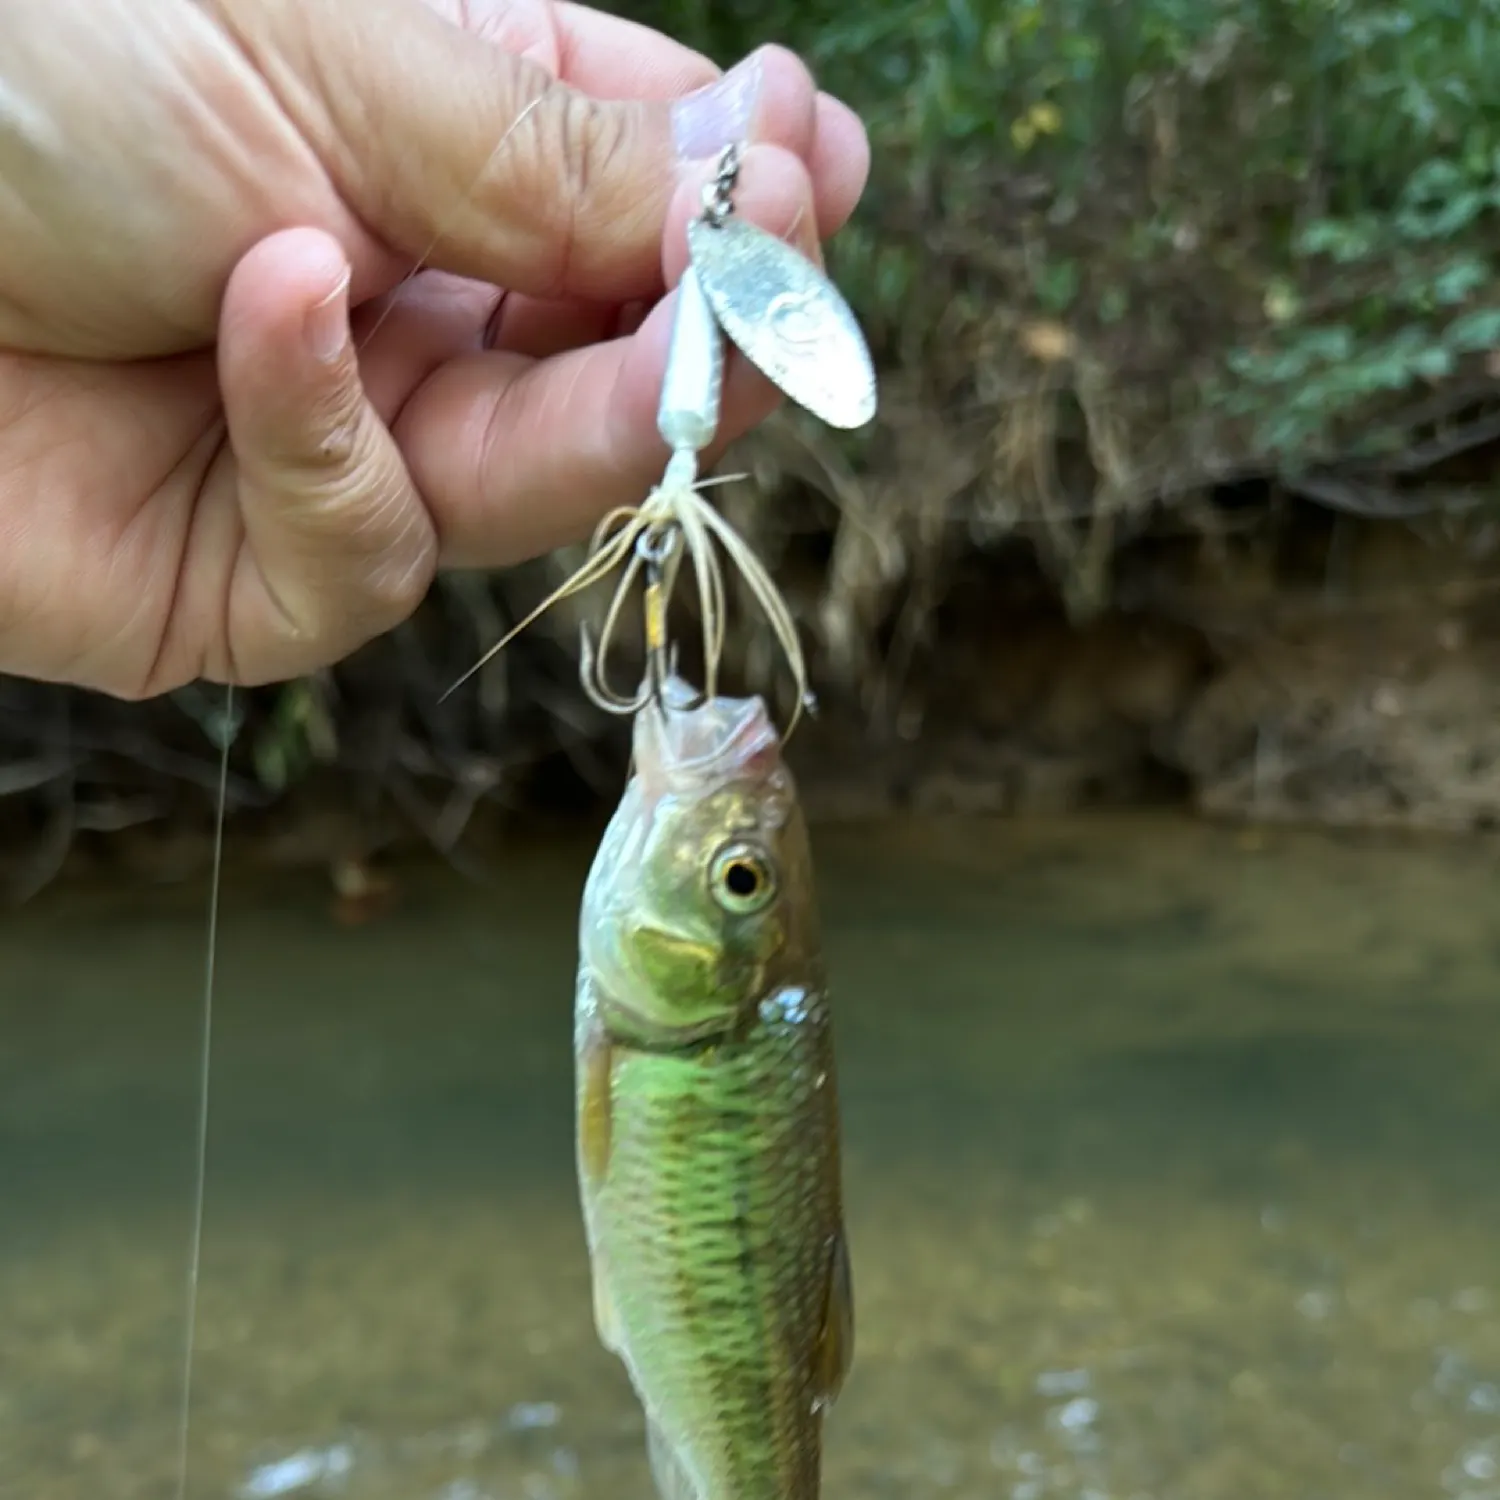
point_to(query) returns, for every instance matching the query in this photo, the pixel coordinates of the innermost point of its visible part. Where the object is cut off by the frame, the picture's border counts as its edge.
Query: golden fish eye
(741, 878)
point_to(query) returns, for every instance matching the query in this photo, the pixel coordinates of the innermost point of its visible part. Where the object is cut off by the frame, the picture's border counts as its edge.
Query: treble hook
(656, 552)
(656, 549)
(675, 521)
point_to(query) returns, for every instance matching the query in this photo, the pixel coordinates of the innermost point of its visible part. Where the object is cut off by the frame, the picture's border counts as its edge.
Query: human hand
(202, 474)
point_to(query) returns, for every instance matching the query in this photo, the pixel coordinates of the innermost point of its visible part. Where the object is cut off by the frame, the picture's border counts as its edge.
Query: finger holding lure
(708, 1146)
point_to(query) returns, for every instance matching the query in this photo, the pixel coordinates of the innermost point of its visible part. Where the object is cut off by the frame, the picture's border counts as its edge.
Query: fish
(708, 1133)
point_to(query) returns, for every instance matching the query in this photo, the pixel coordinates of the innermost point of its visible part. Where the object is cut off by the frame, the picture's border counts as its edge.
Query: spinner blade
(787, 319)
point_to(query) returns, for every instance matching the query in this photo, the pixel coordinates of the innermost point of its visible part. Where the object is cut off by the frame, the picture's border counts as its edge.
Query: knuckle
(353, 544)
(312, 436)
(400, 572)
(589, 145)
(387, 548)
(336, 452)
(327, 607)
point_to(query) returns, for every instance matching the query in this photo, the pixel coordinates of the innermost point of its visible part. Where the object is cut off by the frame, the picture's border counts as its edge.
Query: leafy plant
(1285, 211)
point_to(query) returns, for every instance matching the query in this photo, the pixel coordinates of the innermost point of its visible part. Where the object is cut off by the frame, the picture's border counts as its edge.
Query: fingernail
(719, 115)
(327, 328)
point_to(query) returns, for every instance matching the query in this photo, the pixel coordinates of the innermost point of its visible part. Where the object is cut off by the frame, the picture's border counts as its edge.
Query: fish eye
(741, 879)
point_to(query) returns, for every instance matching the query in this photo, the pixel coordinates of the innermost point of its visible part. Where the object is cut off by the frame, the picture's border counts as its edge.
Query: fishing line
(226, 738)
(195, 1250)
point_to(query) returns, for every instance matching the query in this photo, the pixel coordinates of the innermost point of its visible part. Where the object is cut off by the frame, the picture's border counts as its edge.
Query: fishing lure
(794, 325)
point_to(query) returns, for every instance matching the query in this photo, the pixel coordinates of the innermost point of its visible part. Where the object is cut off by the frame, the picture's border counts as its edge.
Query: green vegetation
(1115, 256)
(1280, 214)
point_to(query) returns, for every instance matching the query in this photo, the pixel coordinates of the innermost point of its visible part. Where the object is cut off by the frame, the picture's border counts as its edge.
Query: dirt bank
(1271, 663)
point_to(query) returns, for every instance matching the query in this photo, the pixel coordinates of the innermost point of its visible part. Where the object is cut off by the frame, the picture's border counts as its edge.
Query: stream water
(1173, 1171)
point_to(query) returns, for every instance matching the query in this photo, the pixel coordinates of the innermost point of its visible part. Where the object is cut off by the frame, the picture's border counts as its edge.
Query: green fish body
(708, 1132)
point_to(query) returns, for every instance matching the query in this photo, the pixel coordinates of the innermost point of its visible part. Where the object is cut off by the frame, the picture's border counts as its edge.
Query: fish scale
(716, 1157)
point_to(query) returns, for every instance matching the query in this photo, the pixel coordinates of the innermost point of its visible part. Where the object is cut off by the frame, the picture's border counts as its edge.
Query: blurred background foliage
(1285, 211)
(1133, 269)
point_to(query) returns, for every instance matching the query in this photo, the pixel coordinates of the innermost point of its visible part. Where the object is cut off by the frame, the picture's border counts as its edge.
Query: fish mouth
(689, 743)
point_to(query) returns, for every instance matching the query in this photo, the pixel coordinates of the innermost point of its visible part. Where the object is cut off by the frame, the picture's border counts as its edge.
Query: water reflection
(1171, 1168)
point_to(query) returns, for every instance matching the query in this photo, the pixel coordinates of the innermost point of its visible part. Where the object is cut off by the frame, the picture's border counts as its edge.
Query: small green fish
(708, 1130)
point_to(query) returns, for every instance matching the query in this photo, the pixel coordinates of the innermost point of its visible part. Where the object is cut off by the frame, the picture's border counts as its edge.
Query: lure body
(708, 1132)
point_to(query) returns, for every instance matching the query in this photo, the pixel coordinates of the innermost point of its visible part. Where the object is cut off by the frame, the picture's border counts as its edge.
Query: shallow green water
(1173, 1166)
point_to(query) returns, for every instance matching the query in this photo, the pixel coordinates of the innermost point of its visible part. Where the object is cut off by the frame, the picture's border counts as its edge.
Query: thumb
(338, 546)
(475, 160)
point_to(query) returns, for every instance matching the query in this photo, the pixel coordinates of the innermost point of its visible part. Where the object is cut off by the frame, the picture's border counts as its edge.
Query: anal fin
(836, 1347)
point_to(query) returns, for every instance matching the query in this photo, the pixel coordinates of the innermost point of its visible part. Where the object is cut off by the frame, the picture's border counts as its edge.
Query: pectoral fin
(606, 1321)
(836, 1348)
(595, 1128)
(673, 1482)
(594, 1108)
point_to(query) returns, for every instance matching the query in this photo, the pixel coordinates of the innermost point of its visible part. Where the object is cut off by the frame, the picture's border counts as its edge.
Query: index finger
(599, 54)
(608, 56)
